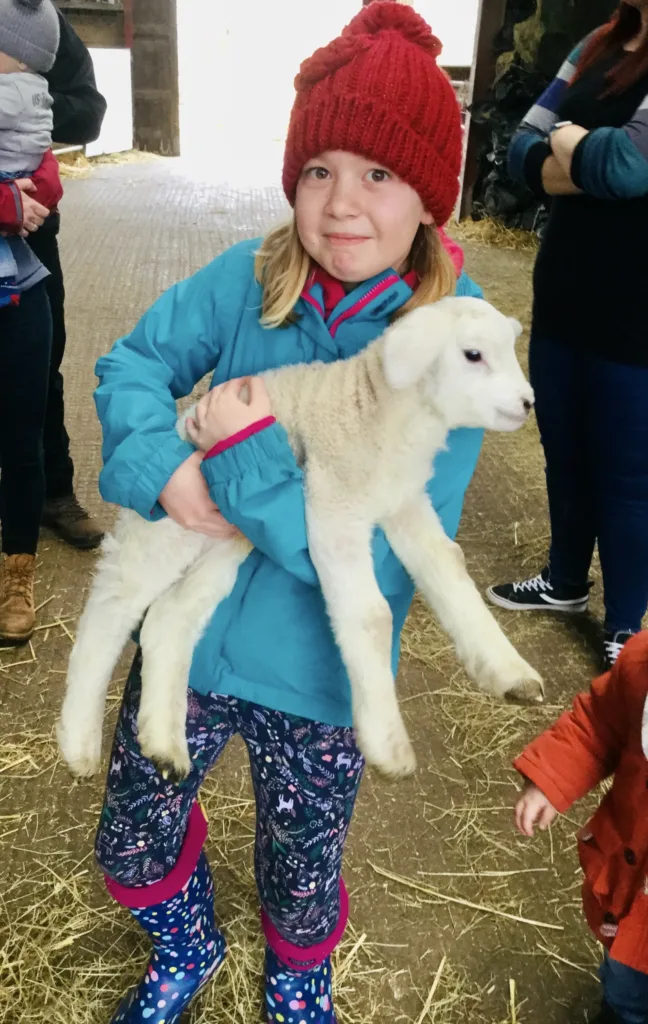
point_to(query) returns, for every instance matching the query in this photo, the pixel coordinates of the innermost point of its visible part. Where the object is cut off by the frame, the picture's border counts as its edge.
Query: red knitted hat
(378, 91)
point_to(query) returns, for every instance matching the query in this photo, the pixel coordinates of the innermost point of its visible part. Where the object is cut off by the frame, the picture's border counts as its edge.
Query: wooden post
(129, 24)
(156, 97)
(489, 22)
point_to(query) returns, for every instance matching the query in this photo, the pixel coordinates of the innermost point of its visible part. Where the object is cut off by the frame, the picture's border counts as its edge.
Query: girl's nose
(342, 200)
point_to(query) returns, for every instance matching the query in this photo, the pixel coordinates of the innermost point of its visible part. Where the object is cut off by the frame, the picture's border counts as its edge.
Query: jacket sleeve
(529, 147)
(47, 179)
(612, 163)
(583, 747)
(11, 208)
(79, 107)
(172, 347)
(48, 192)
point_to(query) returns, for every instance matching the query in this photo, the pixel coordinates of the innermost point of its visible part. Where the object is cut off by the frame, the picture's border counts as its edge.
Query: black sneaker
(538, 595)
(613, 644)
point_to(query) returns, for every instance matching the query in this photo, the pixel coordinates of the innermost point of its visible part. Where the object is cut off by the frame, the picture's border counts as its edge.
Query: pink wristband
(241, 435)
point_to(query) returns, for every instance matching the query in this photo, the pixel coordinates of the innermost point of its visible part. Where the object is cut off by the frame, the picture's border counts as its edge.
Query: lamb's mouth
(514, 418)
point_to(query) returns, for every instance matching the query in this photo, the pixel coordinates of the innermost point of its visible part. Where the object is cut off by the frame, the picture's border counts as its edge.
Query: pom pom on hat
(395, 17)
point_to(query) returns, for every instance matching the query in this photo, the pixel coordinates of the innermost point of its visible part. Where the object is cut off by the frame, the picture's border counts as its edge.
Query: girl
(585, 142)
(605, 733)
(371, 167)
(29, 36)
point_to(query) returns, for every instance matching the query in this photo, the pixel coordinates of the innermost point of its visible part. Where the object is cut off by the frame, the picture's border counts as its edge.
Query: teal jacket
(270, 642)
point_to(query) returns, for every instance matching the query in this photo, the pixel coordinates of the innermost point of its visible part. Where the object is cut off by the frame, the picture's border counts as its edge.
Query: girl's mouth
(339, 239)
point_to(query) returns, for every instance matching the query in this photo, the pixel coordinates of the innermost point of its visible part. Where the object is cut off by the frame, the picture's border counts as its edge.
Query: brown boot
(72, 523)
(17, 616)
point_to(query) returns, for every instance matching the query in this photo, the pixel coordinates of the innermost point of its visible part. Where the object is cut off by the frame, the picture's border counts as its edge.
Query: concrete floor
(130, 231)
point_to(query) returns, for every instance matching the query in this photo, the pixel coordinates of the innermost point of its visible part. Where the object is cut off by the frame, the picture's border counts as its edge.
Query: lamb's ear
(412, 346)
(516, 325)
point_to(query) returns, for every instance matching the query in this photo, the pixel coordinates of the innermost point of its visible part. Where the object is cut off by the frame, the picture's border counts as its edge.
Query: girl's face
(354, 217)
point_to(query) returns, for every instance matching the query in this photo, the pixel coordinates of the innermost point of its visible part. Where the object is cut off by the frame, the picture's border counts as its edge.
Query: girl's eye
(378, 175)
(316, 173)
(473, 355)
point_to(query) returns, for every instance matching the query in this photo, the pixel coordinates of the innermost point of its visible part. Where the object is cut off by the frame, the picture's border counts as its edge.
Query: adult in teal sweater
(362, 248)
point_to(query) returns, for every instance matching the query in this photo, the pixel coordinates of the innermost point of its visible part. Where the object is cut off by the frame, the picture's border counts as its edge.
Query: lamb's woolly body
(366, 431)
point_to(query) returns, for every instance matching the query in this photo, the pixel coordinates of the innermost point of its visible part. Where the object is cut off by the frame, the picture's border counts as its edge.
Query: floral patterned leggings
(305, 776)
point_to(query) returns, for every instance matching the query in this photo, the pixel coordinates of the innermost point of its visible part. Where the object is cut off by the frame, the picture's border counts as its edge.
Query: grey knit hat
(29, 32)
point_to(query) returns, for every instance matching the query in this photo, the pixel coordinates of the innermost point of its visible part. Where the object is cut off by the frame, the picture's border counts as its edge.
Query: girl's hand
(186, 499)
(223, 412)
(533, 808)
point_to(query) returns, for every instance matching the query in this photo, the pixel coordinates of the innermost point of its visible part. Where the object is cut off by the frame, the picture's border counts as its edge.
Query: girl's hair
(282, 266)
(624, 25)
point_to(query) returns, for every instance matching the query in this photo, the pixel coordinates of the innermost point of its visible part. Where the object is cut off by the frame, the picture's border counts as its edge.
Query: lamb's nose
(528, 406)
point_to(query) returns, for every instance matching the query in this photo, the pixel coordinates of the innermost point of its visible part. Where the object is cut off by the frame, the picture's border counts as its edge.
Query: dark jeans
(25, 342)
(59, 469)
(305, 777)
(625, 990)
(593, 419)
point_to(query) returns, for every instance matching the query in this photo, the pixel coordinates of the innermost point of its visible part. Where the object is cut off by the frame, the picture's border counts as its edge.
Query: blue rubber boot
(187, 946)
(298, 980)
(302, 997)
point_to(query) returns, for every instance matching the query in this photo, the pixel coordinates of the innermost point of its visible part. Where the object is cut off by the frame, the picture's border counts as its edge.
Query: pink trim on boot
(299, 958)
(149, 895)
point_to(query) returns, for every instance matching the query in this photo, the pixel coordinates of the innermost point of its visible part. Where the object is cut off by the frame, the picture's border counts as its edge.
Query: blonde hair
(282, 266)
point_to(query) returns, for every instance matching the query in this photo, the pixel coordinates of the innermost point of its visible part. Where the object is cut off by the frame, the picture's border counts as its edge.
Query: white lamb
(366, 431)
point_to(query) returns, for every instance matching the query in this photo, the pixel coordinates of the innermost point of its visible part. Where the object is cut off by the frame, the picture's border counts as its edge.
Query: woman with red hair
(585, 143)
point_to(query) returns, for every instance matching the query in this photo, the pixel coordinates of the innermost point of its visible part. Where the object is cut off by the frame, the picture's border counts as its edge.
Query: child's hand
(223, 412)
(186, 499)
(533, 808)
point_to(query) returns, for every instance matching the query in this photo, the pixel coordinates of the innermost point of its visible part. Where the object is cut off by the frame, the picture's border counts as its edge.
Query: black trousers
(59, 469)
(25, 342)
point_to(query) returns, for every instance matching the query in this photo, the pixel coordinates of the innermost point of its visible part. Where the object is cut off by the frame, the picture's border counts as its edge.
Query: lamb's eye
(473, 355)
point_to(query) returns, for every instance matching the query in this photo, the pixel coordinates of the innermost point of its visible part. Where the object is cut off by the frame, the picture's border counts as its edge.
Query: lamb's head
(460, 355)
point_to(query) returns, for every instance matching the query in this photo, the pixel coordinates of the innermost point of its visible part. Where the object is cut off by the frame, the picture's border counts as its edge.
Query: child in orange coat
(605, 733)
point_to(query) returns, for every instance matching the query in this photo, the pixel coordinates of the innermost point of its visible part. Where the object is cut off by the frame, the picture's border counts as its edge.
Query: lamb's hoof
(389, 751)
(512, 679)
(171, 772)
(527, 691)
(81, 753)
(170, 756)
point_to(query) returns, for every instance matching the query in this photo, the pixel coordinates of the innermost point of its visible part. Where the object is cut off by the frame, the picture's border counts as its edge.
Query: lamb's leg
(173, 626)
(437, 566)
(134, 568)
(362, 624)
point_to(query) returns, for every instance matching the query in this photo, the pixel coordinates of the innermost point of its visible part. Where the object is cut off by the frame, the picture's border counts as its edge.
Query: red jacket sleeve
(47, 180)
(583, 747)
(49, 191)
(11, 209)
